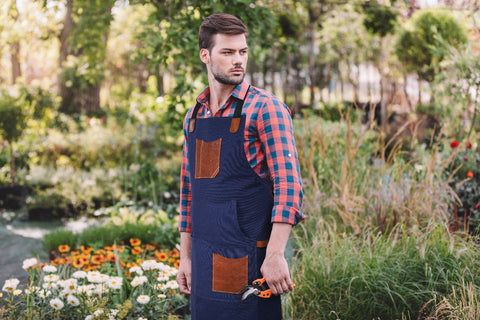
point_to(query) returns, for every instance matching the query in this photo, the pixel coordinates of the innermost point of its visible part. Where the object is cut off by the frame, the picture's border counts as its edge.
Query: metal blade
(250, 291)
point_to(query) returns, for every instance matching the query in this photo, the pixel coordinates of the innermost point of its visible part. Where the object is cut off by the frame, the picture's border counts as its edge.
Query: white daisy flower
(150, 265)
(28, 263)
(49, 269)
(51, 278)
(79, 274)
(139, 280)
(143, 299)
(10, 285)
(137, 270)
(56, 303)
(115, 283)
(72, 300)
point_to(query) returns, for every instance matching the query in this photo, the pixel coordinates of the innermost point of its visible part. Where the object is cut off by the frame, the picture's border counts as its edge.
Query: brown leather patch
(234, 125)
(229, 275)
(207, 159)
(191, 125)
(262, 244)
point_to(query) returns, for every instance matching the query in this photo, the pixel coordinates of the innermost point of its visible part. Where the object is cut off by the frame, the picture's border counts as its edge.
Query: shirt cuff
(284, 214)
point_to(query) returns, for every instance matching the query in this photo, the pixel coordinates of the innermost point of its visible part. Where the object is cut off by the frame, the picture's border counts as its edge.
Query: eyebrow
(230, 49)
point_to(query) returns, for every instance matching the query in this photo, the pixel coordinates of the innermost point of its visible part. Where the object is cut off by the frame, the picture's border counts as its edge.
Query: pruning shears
(258, 288)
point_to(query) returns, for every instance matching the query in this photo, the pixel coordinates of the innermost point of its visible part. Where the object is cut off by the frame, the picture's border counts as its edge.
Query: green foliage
(170, 38)
(466, 183)
(13, 116)
(88, 38)
(374, 276)
(424, 44)
(124, 223)
(380, 20)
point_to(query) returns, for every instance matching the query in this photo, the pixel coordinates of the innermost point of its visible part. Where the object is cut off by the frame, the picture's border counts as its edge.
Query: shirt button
(289, 154)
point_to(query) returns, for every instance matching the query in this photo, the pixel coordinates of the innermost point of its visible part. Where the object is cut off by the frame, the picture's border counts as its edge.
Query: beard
(223, 78)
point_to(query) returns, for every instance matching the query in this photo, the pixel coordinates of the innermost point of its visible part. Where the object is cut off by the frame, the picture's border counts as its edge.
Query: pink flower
(454, 144)
(477, 207)
(469, 145)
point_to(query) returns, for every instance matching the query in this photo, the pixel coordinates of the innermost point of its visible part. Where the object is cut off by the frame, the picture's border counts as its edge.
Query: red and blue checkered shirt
(269, 146)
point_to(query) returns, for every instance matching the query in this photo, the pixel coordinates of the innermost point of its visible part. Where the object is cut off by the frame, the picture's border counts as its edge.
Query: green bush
(123, 223)
(375, 276)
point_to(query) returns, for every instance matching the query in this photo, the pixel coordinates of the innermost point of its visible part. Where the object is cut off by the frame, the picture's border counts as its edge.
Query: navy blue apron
(231, 221)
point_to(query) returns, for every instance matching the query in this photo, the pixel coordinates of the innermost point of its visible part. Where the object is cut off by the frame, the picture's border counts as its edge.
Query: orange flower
(118, 248)
(470, 174)
(86, 249)
(63, 248)
(85, 260)
(136, 250)
(174, 253)
(88, 268)
(177, 264)
(162, 256)
(109, 248)
(77, 263)
(111, 257)
(74, 252)
(97, 259)
(100, 252)
(149, 247)
(135, 242)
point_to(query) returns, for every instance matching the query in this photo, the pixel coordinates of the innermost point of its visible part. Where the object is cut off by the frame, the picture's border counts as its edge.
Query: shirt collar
(238, 92)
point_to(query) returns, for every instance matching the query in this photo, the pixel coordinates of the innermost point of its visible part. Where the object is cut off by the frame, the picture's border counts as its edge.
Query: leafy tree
(82, 53)
(13, 119)
(16, 108)
(170, 40)
(424, 42)
(380, 21)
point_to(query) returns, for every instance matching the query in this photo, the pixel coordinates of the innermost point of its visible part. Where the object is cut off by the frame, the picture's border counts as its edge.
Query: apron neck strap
(235, 119)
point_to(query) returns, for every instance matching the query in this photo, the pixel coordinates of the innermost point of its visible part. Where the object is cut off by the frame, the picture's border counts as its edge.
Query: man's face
(227, 60)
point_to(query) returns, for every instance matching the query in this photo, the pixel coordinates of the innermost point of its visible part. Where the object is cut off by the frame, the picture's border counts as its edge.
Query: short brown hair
(223, 23)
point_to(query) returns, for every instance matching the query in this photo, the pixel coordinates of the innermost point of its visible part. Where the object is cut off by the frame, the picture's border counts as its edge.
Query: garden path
(14, 249)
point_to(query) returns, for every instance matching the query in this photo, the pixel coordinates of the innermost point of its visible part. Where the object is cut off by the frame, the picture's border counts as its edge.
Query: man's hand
(275, 267)
(184, 275)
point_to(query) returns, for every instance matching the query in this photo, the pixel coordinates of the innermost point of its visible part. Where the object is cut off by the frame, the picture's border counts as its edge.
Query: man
(240, 186)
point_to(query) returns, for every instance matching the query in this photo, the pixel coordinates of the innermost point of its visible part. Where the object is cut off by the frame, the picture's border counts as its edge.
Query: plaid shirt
(269, 146)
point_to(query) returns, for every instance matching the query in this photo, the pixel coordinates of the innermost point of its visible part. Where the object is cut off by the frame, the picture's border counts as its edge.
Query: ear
(205, 56)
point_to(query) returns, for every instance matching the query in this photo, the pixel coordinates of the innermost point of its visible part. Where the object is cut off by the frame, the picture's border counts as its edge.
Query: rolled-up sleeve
(184, 223)
(276, 135)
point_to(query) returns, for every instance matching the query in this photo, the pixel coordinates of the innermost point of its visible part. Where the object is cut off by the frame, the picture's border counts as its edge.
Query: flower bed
(133, 281)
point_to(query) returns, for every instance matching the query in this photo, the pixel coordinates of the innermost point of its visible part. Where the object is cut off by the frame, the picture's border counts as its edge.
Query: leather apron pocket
(229, 275)
(207, 158)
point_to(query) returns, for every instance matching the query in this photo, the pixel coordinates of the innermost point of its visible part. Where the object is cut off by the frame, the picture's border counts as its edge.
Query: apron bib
(231, 221)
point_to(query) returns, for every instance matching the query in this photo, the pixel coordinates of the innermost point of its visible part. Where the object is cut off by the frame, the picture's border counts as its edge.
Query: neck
(219, 94)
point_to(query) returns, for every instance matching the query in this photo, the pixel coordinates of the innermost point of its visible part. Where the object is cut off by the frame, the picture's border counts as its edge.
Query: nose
(237, 59)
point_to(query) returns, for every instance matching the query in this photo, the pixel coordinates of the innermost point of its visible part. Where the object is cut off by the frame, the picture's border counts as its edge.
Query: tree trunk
(13, 179)
(273, 68)
(88, 100)
(65, 92)
(405, 92)
(160, 84)
(15, 47)
(311, 62)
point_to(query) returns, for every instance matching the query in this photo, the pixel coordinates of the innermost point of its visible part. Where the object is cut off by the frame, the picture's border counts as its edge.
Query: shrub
(378, 276)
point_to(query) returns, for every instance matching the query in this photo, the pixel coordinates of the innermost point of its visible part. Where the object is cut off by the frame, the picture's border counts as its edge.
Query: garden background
(384, 97)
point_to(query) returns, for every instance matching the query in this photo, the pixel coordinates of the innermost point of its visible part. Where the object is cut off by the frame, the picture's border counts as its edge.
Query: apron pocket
(207, 159)
(229, 275)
